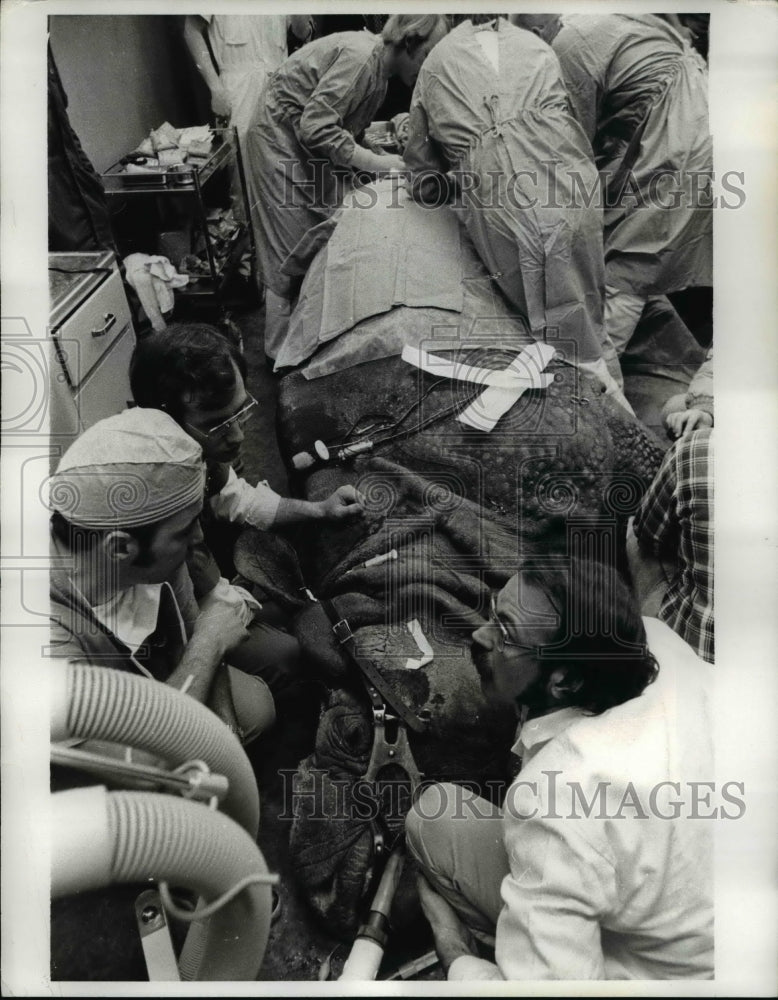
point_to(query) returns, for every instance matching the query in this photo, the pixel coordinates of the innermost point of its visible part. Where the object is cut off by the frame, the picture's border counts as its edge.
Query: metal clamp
(379, 839)
(385, 751)
(161, 964)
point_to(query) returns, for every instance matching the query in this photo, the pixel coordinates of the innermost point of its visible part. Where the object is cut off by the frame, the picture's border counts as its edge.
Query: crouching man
(599, 864)
(193, 373)
(126, 501)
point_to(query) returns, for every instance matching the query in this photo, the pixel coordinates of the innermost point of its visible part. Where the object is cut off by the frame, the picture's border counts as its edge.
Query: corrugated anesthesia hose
(102, 704)
(104, 838)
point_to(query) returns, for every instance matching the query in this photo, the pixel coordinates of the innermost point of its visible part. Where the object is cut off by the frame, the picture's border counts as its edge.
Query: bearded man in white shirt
(599, 864)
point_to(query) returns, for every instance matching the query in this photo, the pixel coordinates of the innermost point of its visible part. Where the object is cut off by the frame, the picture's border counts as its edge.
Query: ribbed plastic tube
(109, 837)
(103, 704)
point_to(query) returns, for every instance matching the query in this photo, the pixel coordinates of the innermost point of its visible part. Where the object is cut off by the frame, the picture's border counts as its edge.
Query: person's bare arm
(452, 938)
(216, 632)
(345, 502)
(376, 163)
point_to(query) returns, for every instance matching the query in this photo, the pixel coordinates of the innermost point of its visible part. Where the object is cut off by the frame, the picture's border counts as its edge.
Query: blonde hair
(412, 30)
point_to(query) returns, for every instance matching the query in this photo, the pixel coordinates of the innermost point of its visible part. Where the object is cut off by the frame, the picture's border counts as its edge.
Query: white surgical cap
(135, 468)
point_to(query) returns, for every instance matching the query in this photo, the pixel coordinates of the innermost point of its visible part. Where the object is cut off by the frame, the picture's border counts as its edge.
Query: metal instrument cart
(139, 198)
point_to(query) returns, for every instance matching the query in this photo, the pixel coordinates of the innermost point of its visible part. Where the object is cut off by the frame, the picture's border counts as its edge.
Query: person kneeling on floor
(597, 866)
(197, 376)
(126, 500)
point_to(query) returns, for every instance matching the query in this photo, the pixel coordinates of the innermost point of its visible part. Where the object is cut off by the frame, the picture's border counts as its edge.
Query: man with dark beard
(591, 869)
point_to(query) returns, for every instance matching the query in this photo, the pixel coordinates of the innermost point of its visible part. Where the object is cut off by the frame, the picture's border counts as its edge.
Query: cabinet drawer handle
(110, 319)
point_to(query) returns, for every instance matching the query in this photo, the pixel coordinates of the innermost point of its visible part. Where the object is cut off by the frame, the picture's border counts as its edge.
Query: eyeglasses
(220, 431)
(503, 636)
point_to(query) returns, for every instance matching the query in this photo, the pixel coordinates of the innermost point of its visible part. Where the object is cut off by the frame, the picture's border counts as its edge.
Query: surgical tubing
(99, 703)
(137, 836)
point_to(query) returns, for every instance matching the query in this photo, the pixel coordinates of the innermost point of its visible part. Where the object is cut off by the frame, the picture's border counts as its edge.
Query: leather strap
(381, 692)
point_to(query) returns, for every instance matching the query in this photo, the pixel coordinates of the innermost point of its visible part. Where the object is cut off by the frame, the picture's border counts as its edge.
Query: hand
(401, 125)
(452, 938)
(222, 624)
(220, 102)
(344, 503)
(373, 147)
(391, 163)
(683, 423)
(366, 160)
(675, 404)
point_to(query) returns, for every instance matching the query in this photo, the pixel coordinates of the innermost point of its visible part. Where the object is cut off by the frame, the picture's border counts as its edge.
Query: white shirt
(131, 615)
(612, 896)
(242, 503)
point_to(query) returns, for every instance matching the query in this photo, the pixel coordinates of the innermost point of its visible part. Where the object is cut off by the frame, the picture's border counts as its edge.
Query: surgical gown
(640, 93)
(524, 166)
(302, 141)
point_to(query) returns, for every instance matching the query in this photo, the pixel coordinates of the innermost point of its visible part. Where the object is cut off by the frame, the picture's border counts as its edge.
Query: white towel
(153, 278)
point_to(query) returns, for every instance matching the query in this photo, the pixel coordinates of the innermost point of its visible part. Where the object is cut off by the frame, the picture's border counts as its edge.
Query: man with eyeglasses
(197, 376)
(597, 865)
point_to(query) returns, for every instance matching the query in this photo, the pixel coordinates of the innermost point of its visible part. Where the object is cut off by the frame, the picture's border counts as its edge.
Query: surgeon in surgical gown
(302, 148)
(640, 92)
(490, 110)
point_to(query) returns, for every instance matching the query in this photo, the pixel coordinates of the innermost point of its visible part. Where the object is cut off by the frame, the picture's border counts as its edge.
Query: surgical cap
(135, 468)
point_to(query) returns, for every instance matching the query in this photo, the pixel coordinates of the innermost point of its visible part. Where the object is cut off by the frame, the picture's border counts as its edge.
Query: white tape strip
(503, 387)
(525, 369)
(420, 638)
(493, 403)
